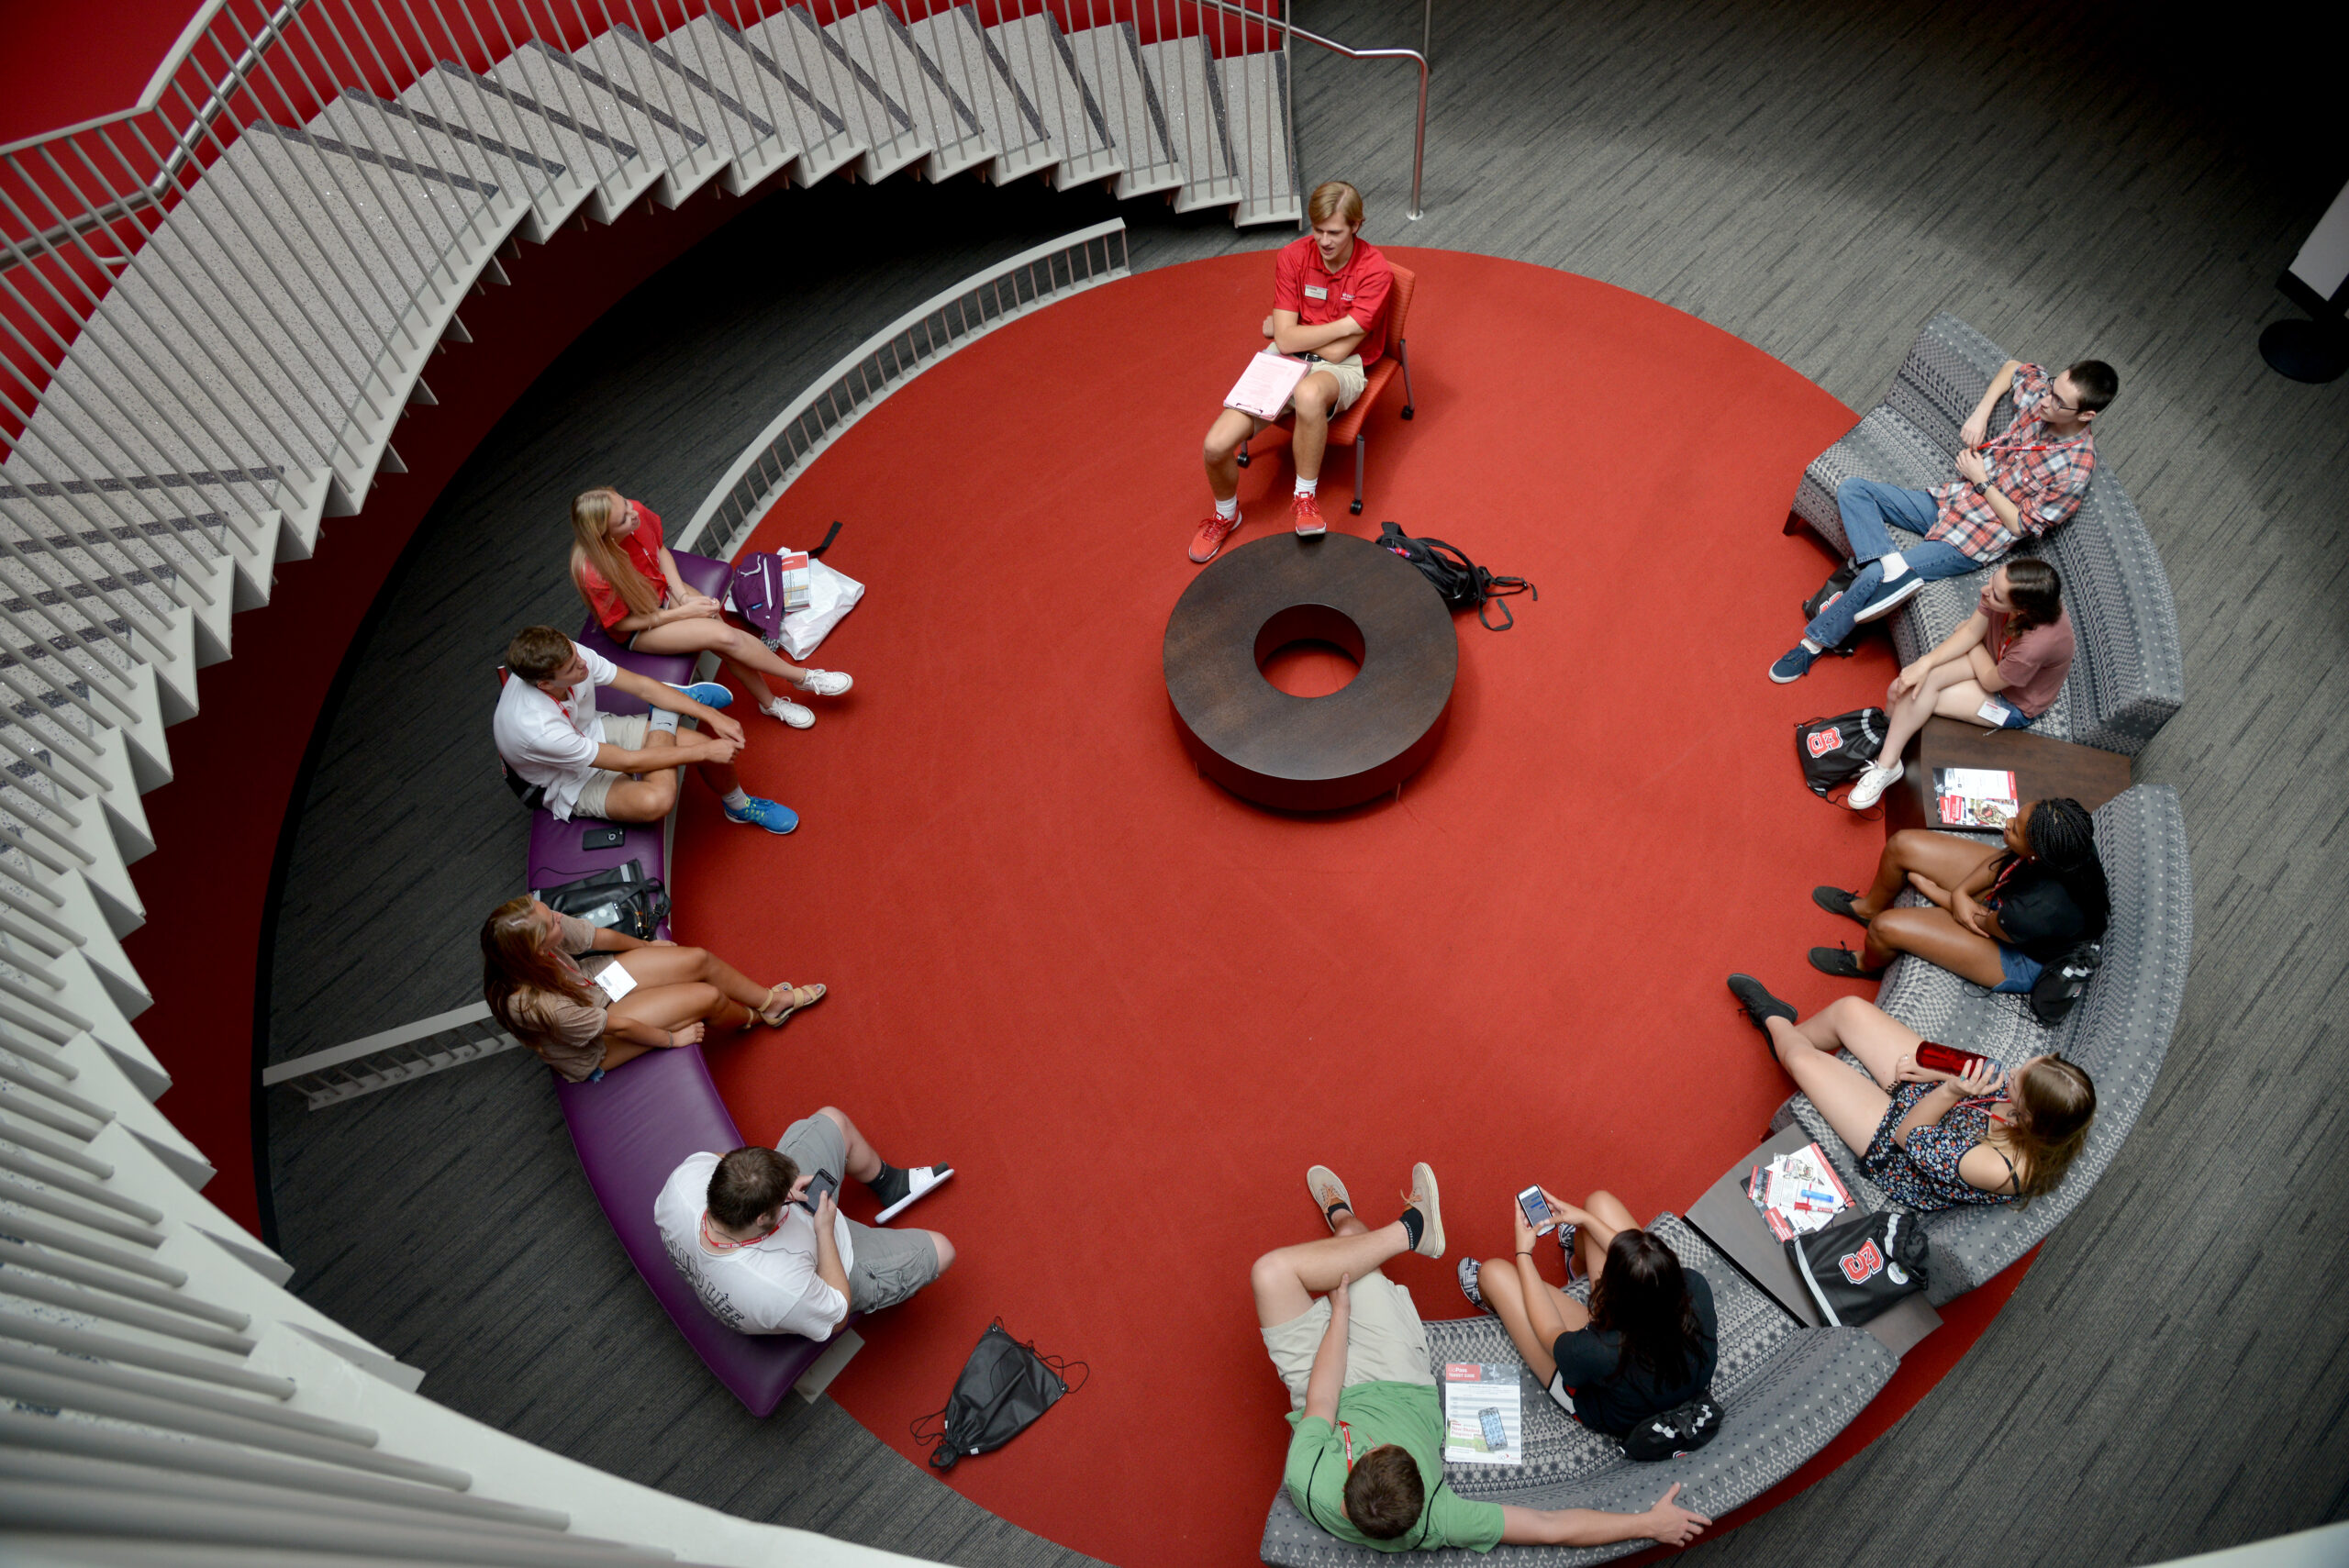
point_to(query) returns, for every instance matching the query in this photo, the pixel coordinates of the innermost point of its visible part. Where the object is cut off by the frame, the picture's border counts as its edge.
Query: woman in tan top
(538, 973)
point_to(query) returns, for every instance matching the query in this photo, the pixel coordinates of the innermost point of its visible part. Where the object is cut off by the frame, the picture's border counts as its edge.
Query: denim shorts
(2016, 718)
(2022, 970)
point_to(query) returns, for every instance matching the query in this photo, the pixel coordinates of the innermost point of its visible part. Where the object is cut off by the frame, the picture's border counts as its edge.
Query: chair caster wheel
(1244, 460)
(1355, 508)
(1407, 411)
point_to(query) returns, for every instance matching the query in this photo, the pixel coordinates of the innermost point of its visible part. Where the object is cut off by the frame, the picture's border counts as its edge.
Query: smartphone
(1536, 1207)
(602, 839)
(1935, 1057)
(1495, 1435)
(818, 1186)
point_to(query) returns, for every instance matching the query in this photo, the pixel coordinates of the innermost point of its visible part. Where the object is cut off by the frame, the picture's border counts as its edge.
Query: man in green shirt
(1365, 1462)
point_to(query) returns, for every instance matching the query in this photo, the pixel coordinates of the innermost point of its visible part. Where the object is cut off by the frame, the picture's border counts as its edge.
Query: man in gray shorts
(764, 1260)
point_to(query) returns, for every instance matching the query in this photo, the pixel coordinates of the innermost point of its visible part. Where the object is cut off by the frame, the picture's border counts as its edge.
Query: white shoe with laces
(790, 712)
(1873, 784)
(825, 683)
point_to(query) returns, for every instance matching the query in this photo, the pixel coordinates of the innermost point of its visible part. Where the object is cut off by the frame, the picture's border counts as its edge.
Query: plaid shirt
(2045, 485)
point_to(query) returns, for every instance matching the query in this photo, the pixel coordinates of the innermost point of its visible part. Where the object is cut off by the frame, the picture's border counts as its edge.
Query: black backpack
(621, 898)
(1463, 584)
(1836, 750)
(1004, 1387)
(1858, 1267)
(2057, 990)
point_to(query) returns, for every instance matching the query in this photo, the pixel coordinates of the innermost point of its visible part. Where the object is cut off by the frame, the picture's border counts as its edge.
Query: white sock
(1227, 510)
(1308, 486)
(736, 799)
(1893, 565)
(1810, 646)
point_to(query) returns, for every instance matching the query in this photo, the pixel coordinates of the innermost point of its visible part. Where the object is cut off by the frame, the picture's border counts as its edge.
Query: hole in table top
(1309, 650)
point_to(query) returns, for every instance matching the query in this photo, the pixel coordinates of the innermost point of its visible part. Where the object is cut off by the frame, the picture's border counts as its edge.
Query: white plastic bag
(831, 595)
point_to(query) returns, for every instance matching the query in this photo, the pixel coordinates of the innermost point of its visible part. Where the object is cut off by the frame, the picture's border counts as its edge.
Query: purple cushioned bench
(703, 575)
(632, 1130)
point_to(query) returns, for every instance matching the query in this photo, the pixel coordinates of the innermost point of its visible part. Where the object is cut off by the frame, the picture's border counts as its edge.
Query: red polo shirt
(641, 549)
(1301, 284)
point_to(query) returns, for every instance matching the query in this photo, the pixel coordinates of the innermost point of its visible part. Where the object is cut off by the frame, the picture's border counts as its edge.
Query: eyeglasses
(2057, 398)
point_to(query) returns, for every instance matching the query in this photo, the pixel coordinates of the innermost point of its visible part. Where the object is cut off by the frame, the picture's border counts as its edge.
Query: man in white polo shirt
(766, 1259)
(562, 754)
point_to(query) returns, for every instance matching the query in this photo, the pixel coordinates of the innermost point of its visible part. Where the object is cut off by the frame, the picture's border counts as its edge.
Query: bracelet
(1525, 1254)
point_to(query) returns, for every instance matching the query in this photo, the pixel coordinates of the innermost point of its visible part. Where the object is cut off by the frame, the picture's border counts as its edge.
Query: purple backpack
(757, 590)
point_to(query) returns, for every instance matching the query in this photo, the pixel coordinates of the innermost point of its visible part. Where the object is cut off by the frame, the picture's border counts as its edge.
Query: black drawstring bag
(1680, 1430)
(1858, 1267)
(1004, 1387)
(1463, 584)
(1837, 751)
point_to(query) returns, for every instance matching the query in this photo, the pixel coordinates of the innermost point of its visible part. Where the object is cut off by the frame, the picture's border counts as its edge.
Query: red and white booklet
(1265, 388)
(1798, 1193)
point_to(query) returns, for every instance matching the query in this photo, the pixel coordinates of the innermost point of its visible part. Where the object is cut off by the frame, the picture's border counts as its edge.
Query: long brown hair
(515, 959)
(1642, 1293)
(2054, 1106)
(592, 513)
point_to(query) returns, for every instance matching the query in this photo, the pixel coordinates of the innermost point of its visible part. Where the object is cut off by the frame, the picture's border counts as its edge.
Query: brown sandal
(776, 1020)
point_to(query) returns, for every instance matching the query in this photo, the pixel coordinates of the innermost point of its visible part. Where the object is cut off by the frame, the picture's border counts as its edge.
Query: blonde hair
(592, 513)
(1334, 198)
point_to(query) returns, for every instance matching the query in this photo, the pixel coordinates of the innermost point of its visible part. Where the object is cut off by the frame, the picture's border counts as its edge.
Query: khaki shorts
(625, 730)
(890, 1264)
(1351, 378)
(1385, 1342)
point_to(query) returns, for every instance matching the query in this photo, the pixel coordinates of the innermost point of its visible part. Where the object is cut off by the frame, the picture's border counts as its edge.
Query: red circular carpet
(1131, 1009)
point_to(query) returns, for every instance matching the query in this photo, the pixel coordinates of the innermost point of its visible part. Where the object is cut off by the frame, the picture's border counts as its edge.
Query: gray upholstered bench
(2128, 674)
(2120, 1032)
(1783, 1391)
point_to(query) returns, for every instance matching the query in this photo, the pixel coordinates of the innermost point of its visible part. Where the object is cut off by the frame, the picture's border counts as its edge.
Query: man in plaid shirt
(2009, 487)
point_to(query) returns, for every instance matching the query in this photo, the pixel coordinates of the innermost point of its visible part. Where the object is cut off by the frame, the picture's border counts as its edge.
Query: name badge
(1313, 293)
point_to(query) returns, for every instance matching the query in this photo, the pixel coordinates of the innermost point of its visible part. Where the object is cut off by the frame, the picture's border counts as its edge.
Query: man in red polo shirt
(1329, 309)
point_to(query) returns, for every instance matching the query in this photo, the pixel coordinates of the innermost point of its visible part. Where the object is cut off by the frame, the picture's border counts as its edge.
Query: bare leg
(1865, 1030)
(1852, 1104)
(646, 799)
(666, 1008)
(864, 1164)
(1945, 860)
(653, 966)
(1231, 428)
(1934, 936)
(1908, 715)
(1314, 399)
(1611, 1212)
(1287, 1279)
(751, 660)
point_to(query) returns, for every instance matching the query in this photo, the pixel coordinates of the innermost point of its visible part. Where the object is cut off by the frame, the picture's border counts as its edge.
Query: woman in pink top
(623, 569)
(2002, 669)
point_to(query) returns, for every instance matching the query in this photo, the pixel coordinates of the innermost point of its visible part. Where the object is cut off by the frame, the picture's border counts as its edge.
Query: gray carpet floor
(2171, 1377)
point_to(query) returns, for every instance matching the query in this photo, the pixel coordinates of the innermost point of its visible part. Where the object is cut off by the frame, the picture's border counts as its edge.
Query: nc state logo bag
(1856, 1268)
(1835, 750)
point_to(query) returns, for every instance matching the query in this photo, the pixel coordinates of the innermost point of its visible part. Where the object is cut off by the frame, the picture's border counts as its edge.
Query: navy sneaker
(1792, 665)
(771, 814)
(710, 694)
(1891, 596)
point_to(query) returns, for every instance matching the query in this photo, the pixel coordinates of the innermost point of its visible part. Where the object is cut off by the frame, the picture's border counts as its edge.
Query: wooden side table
(2044, 768)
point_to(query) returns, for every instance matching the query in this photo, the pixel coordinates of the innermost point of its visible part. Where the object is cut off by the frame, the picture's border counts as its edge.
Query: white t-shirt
(552, 744)
(767, 1287)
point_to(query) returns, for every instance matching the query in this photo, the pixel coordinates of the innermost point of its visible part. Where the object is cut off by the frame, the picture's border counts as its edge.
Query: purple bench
(645, 1116)
(632, 1130)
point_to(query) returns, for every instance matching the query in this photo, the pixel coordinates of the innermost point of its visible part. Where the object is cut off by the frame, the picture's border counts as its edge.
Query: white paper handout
(617, 981)
(1265, 388)
(1484, 1414)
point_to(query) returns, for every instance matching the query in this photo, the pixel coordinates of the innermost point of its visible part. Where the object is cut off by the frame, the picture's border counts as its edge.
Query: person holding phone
(759, 1234)
(2000, 913)
(563, 988)
(1931, 1136)
(2002, 667)
(629, 579)
(1648, 1342)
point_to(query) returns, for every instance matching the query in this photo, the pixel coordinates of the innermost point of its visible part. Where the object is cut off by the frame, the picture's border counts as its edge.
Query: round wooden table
(1310, 753)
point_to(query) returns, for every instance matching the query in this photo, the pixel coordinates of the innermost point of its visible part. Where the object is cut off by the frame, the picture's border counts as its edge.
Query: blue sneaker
(710, 694)
(771, 814)
(1792, 665)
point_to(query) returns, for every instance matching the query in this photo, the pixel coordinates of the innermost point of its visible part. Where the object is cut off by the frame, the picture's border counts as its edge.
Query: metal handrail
(1420, 134)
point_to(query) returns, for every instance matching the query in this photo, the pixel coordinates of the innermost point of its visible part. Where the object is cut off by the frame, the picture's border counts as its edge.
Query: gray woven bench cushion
(2119, 1032)
(1784, 1392)
(2128, 674)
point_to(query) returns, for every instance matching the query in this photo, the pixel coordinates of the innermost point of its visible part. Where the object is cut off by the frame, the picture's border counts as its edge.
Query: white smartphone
(1536, 1207)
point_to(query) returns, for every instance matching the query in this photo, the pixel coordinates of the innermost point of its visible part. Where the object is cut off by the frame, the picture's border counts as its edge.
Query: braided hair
(2063, 838)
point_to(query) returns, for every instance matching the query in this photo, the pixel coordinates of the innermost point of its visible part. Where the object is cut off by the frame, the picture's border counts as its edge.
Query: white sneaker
(790, 712)
(825, 683)
(1873, 784)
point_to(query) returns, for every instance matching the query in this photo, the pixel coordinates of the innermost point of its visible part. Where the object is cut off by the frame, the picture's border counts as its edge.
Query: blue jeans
(1869, 509)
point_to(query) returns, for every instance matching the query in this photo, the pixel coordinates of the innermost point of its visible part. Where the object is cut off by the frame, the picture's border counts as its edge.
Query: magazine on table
(1975, 798)
(1484, 1417)
(1798, 1193)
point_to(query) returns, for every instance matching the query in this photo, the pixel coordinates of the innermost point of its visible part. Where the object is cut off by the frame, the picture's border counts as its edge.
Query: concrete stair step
(95, 757)
(1256, 108)
(778, 62)
(618, 171)
(1032, 50)
(445, 122)
(1012, 124)
(619, 96)
(1190, 89)
(727, 94)
(877, 40)
(1109, 61)
(880, 121)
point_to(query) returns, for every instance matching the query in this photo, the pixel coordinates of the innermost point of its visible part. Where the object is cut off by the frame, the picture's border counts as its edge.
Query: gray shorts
(890, 1264)
(625, 730)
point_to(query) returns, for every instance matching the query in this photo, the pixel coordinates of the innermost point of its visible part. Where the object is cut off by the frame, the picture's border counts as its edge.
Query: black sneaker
(1836, 584)
(1836, 901)
(1843, 964)
(1759, 1005)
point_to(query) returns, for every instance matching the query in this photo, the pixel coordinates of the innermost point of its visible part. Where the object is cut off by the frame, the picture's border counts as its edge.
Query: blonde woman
(629, 579)
(538, 973)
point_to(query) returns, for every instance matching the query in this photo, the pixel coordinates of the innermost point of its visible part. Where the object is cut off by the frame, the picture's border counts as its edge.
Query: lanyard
(1347, 1433)
(721, 1244)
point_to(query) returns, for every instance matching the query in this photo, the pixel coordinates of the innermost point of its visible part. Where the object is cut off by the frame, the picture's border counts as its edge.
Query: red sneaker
(1211, 535)
(1308, 515)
